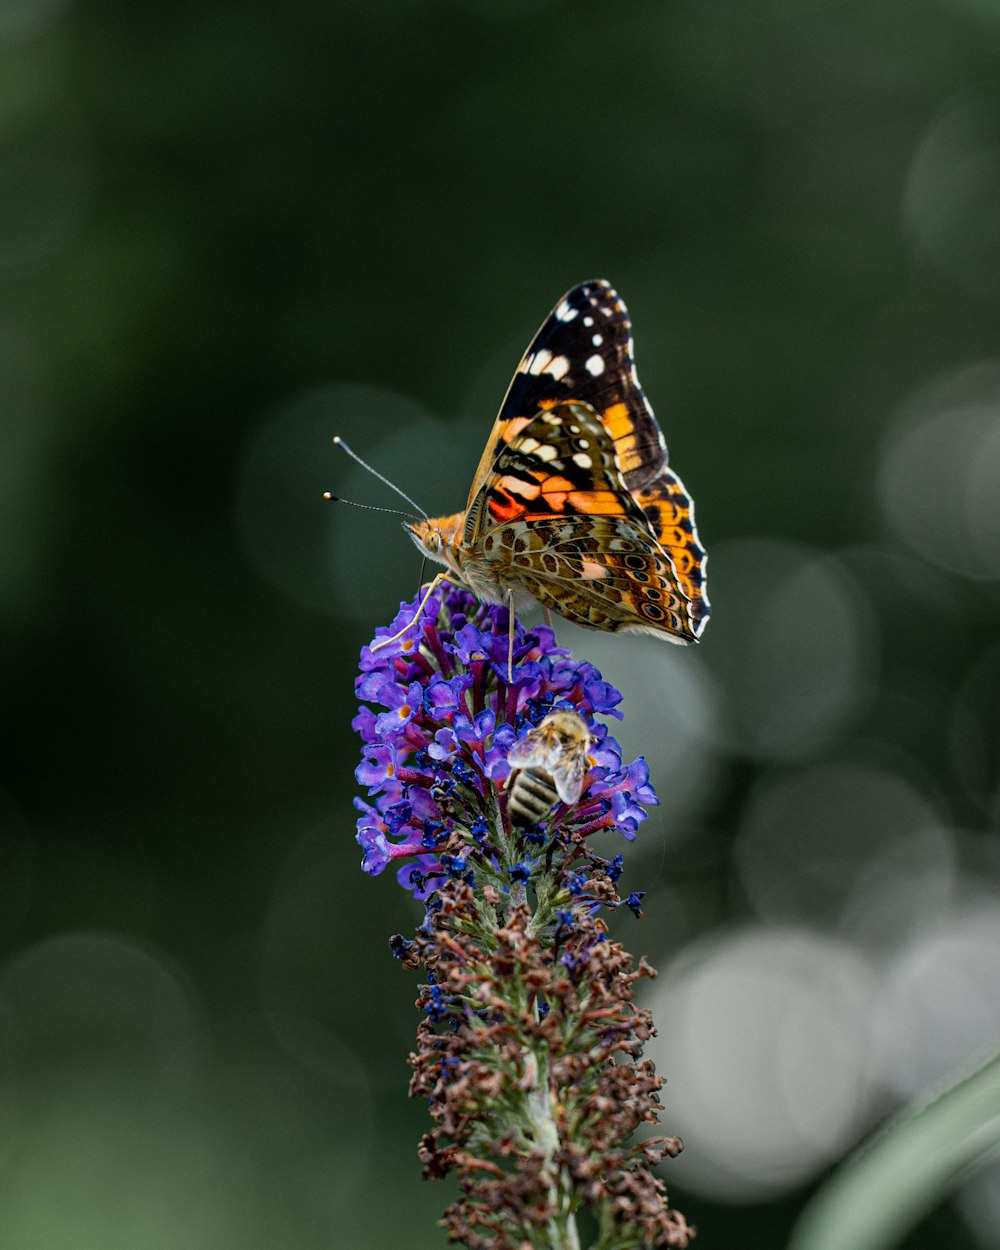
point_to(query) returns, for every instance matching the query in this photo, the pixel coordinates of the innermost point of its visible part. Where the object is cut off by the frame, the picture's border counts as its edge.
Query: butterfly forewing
(558, 464)
(583, 351)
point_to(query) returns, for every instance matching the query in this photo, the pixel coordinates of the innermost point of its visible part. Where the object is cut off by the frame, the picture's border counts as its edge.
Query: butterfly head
(427, 538)
(438, 538)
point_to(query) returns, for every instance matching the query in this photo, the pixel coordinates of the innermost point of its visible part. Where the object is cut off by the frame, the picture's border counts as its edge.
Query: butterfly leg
(548, 616)
(437, 580)
(510, 637)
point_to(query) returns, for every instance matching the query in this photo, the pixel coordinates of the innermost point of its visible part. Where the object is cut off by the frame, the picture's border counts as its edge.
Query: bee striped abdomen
(532, 797)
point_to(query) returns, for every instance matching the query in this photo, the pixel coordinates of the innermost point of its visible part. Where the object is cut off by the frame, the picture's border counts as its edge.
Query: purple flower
(444, 697)
(628, 814)
(471, 645)
(437, 738)
(378, 765)
(402, 704)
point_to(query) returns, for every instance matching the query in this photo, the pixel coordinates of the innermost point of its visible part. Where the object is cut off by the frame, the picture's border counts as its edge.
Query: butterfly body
(573, 504)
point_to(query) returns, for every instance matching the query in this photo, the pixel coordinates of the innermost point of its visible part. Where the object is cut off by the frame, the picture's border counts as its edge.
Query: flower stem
(562, 1230)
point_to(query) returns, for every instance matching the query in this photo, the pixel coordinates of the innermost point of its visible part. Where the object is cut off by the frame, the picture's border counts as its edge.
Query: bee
(550, 764)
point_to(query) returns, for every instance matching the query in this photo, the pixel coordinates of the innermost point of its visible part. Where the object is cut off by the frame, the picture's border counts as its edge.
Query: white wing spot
(584, 442)
(539, 362)
(607, 311)
(588, 321)
(559, 368)
(582, 460)
(595, 366)
(545, 451)
(564, 312)
(528, 445)
(574, 429)
(597, 340)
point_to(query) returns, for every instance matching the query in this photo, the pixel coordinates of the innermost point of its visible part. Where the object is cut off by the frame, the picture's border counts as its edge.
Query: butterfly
(573, 504)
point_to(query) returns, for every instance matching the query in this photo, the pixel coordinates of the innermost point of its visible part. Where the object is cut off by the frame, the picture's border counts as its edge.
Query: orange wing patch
(597, 502)
(618, 422)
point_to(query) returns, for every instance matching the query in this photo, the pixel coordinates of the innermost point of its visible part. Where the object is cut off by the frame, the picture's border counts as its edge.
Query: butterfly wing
(583, 353)
(555, 511)
(604, 573)
(559, 463)
(669, 513)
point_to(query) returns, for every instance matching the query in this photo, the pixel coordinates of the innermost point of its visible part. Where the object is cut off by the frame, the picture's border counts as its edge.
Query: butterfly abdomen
(531, 797)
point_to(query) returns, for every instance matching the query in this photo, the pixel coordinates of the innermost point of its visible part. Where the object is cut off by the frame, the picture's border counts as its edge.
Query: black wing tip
(589, 284)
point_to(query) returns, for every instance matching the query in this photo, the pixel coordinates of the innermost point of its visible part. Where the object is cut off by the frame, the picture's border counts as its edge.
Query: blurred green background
(229, 231)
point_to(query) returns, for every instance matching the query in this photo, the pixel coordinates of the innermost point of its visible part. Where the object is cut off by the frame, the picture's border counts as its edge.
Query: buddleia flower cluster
(530, 1048)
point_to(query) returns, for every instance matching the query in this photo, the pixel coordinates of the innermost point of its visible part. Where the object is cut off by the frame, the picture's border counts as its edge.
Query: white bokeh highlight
(793, 642)
(939, 1008)
(674, 716)
(808, 836)
(764, 1039)
(939, 469)
(951, 202)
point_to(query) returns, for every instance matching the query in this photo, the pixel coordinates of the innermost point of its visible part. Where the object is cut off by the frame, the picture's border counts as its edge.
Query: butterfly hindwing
(600, 571)
(669, 513)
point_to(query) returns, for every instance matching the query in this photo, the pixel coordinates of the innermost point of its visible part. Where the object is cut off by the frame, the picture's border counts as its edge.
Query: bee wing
(567, 776)
(530, 752)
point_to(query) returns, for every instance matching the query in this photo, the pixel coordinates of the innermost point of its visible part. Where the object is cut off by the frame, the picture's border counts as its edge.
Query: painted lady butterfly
(573, 503)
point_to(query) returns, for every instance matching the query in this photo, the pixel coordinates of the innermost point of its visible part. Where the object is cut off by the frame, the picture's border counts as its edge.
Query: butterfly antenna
(369, 506)
(339, 442)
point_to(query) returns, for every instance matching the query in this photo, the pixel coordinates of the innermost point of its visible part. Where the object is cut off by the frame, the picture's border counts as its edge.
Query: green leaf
(906, 1169)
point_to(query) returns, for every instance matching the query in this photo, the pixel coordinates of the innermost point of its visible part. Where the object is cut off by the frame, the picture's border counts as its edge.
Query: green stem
(562, 1230)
